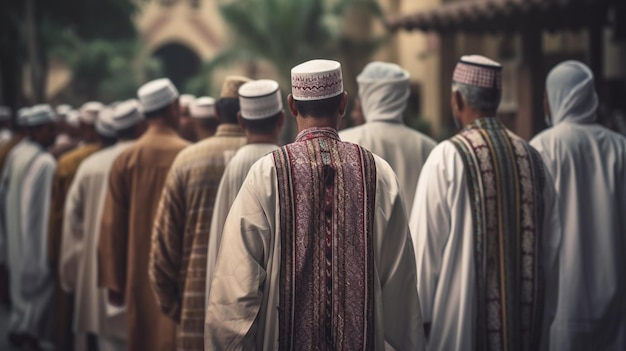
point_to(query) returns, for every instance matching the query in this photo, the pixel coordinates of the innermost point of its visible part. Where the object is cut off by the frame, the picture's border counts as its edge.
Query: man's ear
(292, 105)
(457, 102)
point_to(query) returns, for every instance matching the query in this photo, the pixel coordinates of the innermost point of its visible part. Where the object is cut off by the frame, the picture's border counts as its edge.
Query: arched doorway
(180, 63)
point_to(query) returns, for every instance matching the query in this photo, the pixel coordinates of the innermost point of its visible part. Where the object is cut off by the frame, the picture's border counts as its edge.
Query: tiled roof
(503, 15)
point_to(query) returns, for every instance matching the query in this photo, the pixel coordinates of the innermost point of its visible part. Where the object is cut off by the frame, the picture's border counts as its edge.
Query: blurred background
(72, 51)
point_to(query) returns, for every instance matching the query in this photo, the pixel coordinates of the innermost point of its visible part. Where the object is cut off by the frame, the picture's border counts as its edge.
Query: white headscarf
(384, 91)
(571, 93)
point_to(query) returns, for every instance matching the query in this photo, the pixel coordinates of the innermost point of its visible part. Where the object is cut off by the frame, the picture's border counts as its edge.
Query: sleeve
(36, 207)
(401, 307)
(72, 242)
(430, 227)
(113, 241)
(167, 246)
(236, 289)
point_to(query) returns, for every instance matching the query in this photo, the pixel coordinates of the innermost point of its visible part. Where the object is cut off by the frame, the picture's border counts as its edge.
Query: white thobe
(79, 246)
(588, 163)
(4, 189)
(28, 205)
(403, 148)
(441, 225)
(232, 179)
(245, 288)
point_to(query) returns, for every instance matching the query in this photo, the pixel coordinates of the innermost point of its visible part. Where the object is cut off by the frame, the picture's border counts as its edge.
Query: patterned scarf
(505, 180)
(327, 195)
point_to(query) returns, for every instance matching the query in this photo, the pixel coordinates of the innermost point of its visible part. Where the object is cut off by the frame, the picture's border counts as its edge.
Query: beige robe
(135, 185)
(181, 231)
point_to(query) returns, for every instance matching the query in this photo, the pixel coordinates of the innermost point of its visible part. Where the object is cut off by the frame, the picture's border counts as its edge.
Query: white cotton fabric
(384, 91)
(588, 164)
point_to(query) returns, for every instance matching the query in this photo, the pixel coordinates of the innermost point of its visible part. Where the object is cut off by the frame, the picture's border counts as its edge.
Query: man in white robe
(81, 230)
(316, 251)
(588, 164)
(485, 228)
(30, 174)
(384, 91)
(262, 118)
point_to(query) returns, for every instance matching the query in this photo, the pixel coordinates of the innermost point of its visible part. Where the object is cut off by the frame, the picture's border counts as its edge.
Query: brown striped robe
(181, 232)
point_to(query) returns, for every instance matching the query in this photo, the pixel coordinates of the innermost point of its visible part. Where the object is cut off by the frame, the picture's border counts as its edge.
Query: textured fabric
(232, 180)
(316, 80)
(588, 163)
(487, 234)
(571, 93)
(357, 211)
(135, 183)
(384, 91)
(78, 271)
(181, 232)
(30, 176)
(478, 71)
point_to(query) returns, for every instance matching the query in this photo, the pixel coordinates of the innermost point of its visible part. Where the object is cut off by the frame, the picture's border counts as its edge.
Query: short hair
(128, 133)
(208, 123)
(479, 98)
(162, 112)
(319, 108)
(228, 109)
(108, 140)
(262, 126)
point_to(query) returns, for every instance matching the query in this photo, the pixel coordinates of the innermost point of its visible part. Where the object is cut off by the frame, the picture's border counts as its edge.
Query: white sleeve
(72, 241)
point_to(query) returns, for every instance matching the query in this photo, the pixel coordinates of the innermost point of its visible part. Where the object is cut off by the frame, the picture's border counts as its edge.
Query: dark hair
(261, 126)
(319, 108)
(106, 140)
(162, 112)
(208, 123)
(128, 133)
(228, 109)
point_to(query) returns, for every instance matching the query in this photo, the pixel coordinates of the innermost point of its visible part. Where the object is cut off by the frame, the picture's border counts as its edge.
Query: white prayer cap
(89, 112)
(203, 107)
(40, 114)
(231, 85)
(316, 80)
(127, 114)
(478, 71)
(22, 116)
(384, 89)
(104, 124)
(571, 93)
(73, 118)
(157, 94)
(260, 99)
(62, 110)
(185, 100)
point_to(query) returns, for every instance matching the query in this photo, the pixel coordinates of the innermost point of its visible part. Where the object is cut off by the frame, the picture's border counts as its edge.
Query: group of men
(178, 222)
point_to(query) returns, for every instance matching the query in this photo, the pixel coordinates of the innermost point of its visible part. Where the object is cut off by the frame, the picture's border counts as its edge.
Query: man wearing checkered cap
(485, 228)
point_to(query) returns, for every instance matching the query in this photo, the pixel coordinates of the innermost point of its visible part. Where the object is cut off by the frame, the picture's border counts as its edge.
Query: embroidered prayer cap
(478, 71)
(89, 112)
(231, 85)
(105, 123)
(316, 80)
(185, 100)
(157, 94)
(260, 99)
(40, 114)
(22, 116)
(127, 114)
(5, 113)
(203, 108)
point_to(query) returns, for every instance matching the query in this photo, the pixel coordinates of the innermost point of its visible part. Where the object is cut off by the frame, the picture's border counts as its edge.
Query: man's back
(135, 183)
(403, 148)
(588, 164)
(483, 241)
(319, 228)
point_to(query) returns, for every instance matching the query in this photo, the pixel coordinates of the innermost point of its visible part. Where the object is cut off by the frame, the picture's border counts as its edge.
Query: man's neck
(312, 122)
(261, 139)
(159, 125)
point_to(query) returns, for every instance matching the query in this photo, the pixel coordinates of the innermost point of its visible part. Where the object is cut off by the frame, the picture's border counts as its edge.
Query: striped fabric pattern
(327, 195)
(505, 181)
